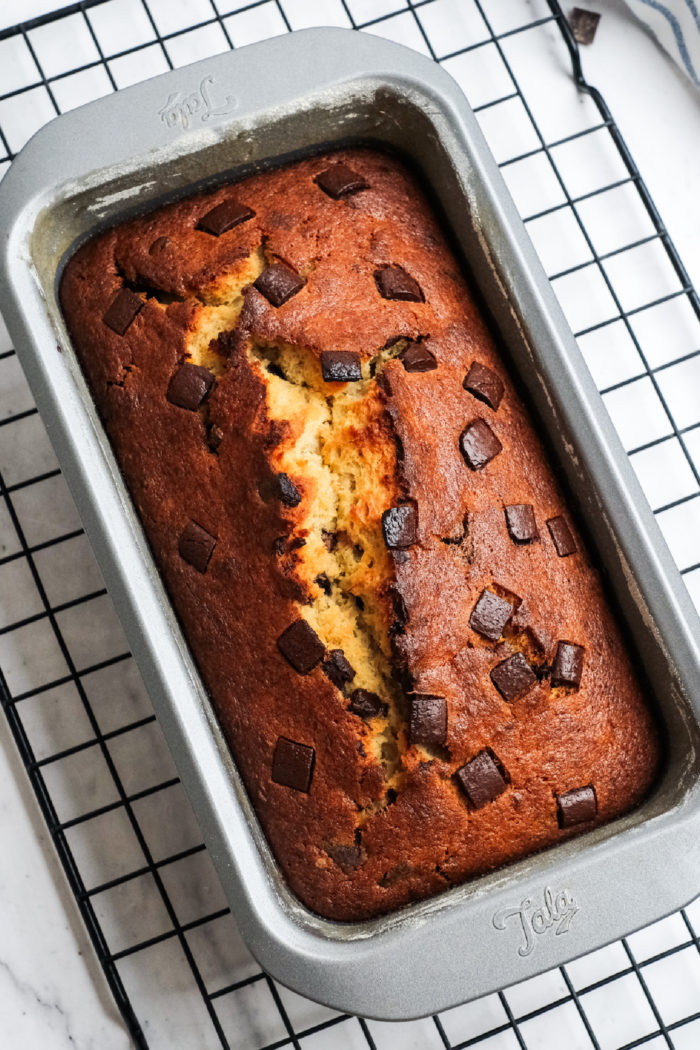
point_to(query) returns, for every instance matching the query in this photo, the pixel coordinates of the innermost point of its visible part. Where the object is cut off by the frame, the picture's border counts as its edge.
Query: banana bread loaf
(388, 600)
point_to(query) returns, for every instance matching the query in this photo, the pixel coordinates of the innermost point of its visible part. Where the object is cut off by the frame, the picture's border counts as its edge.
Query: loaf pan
(219, 119)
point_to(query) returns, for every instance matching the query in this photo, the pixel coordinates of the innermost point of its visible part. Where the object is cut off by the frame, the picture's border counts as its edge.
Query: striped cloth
(676, 24)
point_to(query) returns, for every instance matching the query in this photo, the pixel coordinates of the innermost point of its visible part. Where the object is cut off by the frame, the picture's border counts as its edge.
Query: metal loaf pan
(218, 119)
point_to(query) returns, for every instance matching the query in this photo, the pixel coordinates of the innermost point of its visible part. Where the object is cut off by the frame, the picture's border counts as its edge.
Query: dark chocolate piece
(301, 646)
(340, 181)
(400, 526)
(417, 358)
(224, 217)
(428, 723)
(340, 366)
(215, 436)
(490, 615)
(278, 283)
(122, 310)
(293, 764)
(568, 664)
(189, 386)
(337, 668)
(159, 245)
(513, 677)
(482, 779)
(348, 858)
(561, 535)
(484, 384)
(196, 546)
(281, 487)
(394, 283)
(520, 519)
(330, 539)
(365, 704)
(576, 806)
(323, 583)
(583, 25)
(479, 444)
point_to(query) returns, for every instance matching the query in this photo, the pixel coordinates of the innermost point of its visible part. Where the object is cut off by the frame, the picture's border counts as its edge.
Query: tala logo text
(182, 110)
(534, 919)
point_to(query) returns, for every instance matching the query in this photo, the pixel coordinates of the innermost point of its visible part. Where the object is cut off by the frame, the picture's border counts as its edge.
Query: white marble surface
(52, 993)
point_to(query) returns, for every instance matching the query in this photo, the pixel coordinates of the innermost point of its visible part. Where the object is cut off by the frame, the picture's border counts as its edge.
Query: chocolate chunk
(490, 615)
(278, 283)
(576, 806)
(482, 779)
(394, 283)
(340, 366)
(428, 723)
(340, 181)
(159, 245)
(520, 519)
(365, 704)
(189, 386)
(348, 858)
(281, 487)
(337, 668)
(293, 764)
(583, 25)
(323, 583)
(561, 535)
(196, 546)
(224, 217)
(568, 664)
(479, 444)
(400, 526)
(300, 644)
(330, 539)
(122, 310)
(215, 436)
(417, 358)
(484, 384)
(513, 677)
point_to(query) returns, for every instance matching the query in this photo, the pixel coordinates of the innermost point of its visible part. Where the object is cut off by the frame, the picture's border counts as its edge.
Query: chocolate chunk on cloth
(513, 677)
(278, 283)
(561, 536)
(417, 358)
(189, 386)
(568, 664)
(576, 806)
(122, 310)
(224, 217)
(196, 546)
(428, 724)
(340, 366)
(584, 25)
(490, 615)
(484, 385)
(281, 487)
(520, 519)
(365, 703)
(339, 180)
(478, 444)
(394, 283)
(482, 779)
(400, 526)
(293, 764)
(301, 646)
(337, 668)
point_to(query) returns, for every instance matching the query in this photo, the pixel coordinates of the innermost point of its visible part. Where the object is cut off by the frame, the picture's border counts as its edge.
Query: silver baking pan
(219, 119)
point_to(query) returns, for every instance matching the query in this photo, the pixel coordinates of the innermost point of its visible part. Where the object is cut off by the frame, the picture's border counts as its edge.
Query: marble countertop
(52, 992)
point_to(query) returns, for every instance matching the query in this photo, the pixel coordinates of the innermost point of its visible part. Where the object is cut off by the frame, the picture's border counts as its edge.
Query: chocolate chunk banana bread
(388, 599)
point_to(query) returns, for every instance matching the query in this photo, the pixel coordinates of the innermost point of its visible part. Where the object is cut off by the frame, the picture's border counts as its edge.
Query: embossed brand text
(535, 919)
(181, 110)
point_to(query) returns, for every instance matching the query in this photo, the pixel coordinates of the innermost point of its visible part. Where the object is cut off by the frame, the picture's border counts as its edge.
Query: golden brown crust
(342, 863)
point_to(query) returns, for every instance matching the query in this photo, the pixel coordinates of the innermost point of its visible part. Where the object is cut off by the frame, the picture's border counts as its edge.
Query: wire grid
(77, 709)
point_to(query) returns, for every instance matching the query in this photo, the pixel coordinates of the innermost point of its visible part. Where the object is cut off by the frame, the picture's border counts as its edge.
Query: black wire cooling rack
(83, 726)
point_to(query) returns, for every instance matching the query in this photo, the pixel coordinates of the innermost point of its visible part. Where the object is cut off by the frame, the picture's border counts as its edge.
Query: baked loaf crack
(390, 604)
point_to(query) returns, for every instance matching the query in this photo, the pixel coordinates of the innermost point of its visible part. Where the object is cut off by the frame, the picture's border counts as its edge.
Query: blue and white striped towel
(676, 24)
